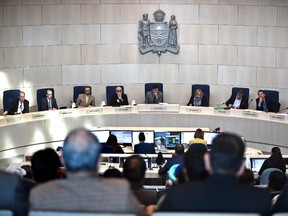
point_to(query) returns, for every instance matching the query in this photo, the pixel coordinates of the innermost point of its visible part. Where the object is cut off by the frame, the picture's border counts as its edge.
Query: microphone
(218, 106)
(250, 102)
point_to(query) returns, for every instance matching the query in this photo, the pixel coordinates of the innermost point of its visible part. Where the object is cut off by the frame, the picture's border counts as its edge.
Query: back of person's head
(112, 140)
(194, 164)
(179, 149)
(227, 152)
(199, 134)
(81, 151)
(247, 177)
(112, 173)
(45, 165)
(276, 181)
(141, 137)
(134, 169)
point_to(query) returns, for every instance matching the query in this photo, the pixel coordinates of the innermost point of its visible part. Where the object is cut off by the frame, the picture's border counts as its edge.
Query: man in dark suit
(18, 106)
(238, 101)
(48, 102)
(119, 98)
(264, 103)
(177, 159)
(221, 192)
(142, 147)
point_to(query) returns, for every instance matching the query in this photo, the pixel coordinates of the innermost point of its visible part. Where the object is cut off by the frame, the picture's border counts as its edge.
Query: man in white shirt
(238, 101)
(18, 106)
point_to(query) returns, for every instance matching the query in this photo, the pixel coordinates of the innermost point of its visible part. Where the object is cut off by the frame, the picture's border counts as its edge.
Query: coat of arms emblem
(158, 36)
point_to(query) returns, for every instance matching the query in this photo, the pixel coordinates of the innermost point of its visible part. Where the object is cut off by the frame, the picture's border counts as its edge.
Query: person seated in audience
(176, 159)
(48, 102)
(18, 106)
(198, 138)
(155, 96)
(112, 173)
(113, 142)
(143, 147)
(134, 171)
(238, 101)
(198, 99)
(274, 161)
(119, 98)
(281, 202)
(265, 103)
(83, 190)
(247, 177)
(86, 99)
(276, 182)
(46, 166)
(221, 191)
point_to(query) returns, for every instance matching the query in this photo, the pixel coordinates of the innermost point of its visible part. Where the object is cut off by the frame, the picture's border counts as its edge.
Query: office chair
(274, 95)
(8, 97)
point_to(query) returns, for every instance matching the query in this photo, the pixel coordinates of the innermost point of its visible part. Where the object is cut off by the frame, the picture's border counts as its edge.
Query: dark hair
(155, 86)
(179, 149)
(141, 137)
(28, 170)
(194, 164)
(112, 173)
(276, 157)
(45, 164)
(260, 91)
(81, 151)
(112, 140)
(240, 92)
(277, 180)
(134, 169)
(247, 177)
(199, 134)
(227, 153)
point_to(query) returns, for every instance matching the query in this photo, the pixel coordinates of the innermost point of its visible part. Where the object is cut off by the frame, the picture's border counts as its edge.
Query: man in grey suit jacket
(86, 99)
(83, 190)
(155, 96)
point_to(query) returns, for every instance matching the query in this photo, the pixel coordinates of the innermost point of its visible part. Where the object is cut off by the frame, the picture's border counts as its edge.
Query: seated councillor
(198, 138)
(155, 96)
(119, 98)
(86, 99)
(83, 190)
(143, 147)
(264, 103)
(198, 99)
(238, 101)
(134, 171)
(48, 102)
(18, 106)
(221, 189)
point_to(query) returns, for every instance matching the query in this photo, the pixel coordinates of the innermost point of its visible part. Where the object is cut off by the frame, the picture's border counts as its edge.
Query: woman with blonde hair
(198, 99)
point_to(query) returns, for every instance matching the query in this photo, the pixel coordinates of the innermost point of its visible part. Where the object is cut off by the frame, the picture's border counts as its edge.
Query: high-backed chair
(41, 93)
(204, 88)
(245, 91)
(8, 97)
(111, 90)
(274, 95)
(148, 87)
(264, 178)
(78, 90)
(202, 214)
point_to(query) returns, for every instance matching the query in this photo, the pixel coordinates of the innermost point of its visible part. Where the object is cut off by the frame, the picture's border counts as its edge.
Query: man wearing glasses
(48, 102)
(18, 106)
(119, 98)
(86, 99)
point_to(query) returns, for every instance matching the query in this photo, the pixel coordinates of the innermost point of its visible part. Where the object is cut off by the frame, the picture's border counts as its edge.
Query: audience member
(222, 191)
(45, 165)
(237, 101)
(112, 173)
(49, 102)
(282, 200)
(28, 171)
(18, 106)
(119, 98)
(83, 190)
(112, 141)
(198, 99)
(276, 182)
(274, 161)
(134, 171)
(198, 138)
(143, 147)
(265, 103)
(155, 96)
(177, 159)
(85, 99)
(247, 177)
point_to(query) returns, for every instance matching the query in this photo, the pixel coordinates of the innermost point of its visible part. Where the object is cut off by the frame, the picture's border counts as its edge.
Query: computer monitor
(186, 136)
(256, 163)
(149, 136)
(168, 139)
(209, 136)
(102, 135)
(147, 162)
(123, 136)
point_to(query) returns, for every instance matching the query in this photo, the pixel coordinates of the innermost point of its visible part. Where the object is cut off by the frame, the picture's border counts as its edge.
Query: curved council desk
(21, 134)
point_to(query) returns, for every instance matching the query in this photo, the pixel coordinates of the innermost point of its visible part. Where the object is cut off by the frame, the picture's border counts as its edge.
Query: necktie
(49, 104)
(154, 101)
(87, 99)
(264, 106)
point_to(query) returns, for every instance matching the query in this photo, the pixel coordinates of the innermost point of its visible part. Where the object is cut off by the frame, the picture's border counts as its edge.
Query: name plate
(14, 119)
(39, 116)
(93, 111)
(250, 114)
(222, 112)
(123, 109)
(158, 108)
(277, 117)
(66, 113)
(3, 121)
(193, 110)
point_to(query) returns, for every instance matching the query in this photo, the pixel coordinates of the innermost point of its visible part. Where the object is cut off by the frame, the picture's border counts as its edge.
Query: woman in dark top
(112, 141)
(274, 161)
